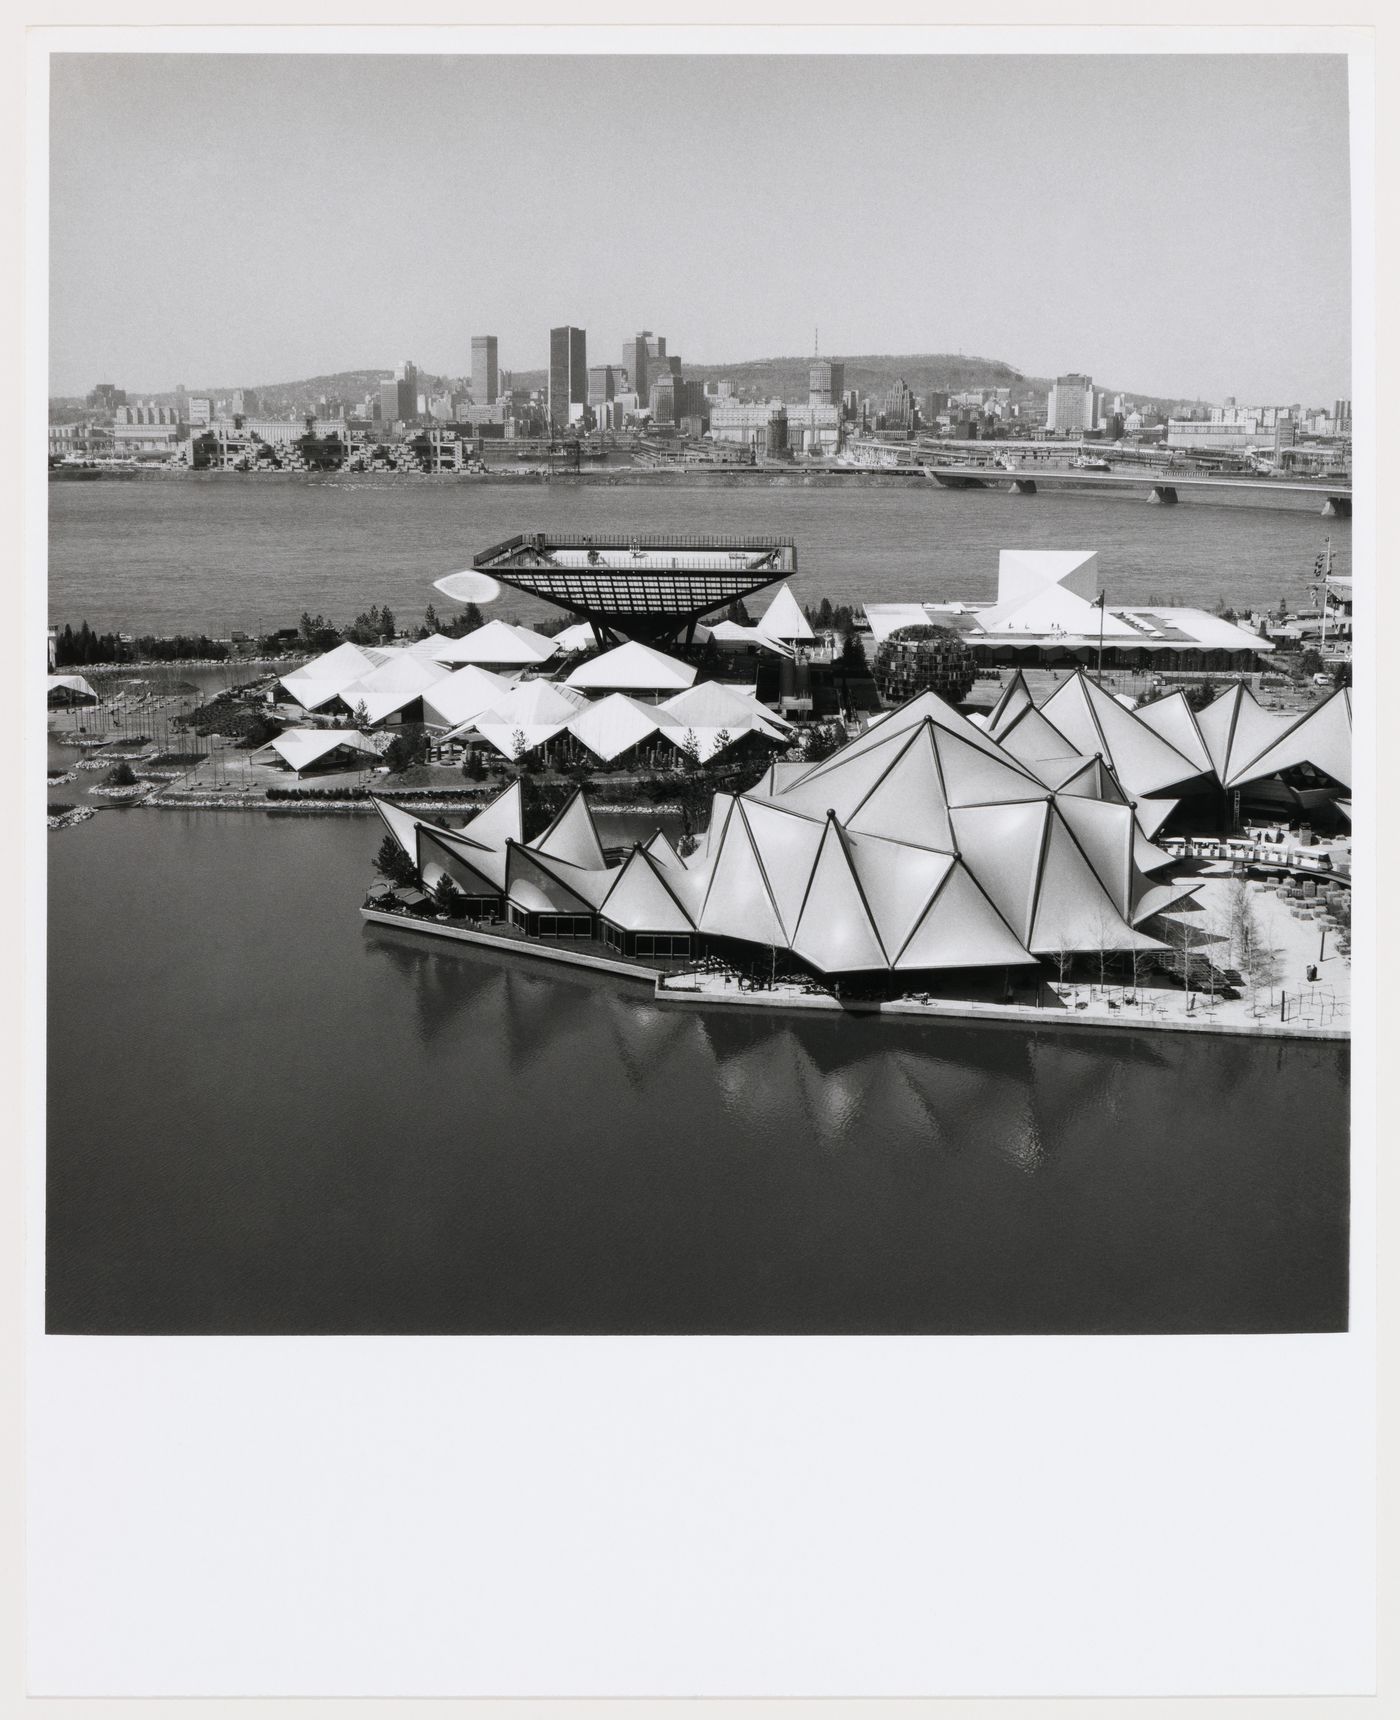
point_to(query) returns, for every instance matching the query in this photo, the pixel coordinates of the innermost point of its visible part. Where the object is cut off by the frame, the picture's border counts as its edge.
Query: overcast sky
(1170, 225)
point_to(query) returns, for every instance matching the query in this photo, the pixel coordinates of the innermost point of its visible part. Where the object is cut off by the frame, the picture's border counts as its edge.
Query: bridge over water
(1158, 486)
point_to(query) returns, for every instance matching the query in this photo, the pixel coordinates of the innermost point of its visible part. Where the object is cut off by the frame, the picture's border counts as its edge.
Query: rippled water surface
(165, 556)
(265, 1117)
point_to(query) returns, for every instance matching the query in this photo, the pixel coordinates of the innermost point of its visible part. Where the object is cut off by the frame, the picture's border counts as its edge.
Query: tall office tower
(826, 382)
(1070, 407)
(634, 362)
(1341, 413)
(656, 345)
(398, 395)
(602, 384)
(568, 373)
(485, 378)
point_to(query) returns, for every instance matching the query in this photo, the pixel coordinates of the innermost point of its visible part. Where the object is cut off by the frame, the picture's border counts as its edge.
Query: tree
(1199, 695)
(737, 613)
(361, 715)
(690, 750)
(1341, 675)
(820, 742)
(261, 729)
(447, 898)
(392, 863)
(519, 744)
(430, 623)
(121, 775)
(723, 741)
(409, 747)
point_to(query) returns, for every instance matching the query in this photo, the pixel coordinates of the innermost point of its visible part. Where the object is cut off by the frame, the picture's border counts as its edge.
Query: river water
(266, 1117)
(175, 555)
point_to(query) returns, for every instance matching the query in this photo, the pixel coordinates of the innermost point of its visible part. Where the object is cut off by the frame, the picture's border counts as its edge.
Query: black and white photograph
(701, 696)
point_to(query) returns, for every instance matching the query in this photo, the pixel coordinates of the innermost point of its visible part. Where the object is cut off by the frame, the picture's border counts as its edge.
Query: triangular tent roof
(316, 683)
(835, 930)
(500, 821)
(572, 835)
(641, 900)
(1236, 729)
(462, 695)
(301, 748)
(612, 726)
(634, 667)
(1320, 738)
(1001, 846)
(71, 684)
(1094, 722)
(783, 619)
(1015, 698)
(499, 642)
(401, 825)
(961, 928)
(661, 848)
(1175, 721)
(538, 887)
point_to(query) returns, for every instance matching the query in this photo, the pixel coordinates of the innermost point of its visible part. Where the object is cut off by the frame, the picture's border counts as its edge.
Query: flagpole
(1102, 596)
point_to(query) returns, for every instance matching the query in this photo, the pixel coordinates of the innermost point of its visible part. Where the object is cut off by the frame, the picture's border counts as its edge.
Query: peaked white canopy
(1320, 738)
(498, 644)
(303, 748)
(75, 684)
(318, 682)
(632, 667)
(463, 694)
(783, 619)
(612, 726)
(391, 685)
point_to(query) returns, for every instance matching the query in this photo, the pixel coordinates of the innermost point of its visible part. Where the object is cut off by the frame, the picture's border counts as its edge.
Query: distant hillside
(768, 378)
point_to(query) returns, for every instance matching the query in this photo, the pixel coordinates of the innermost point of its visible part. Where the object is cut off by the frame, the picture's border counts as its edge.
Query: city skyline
(997, 255)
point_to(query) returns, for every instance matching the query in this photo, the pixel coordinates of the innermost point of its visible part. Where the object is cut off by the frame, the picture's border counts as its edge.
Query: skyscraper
(634, 361)
(1070, 407)
(485, 380)
(568, 373)
(826, 382)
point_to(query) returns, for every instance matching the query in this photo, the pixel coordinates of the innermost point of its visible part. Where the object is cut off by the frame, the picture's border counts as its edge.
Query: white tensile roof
(612, 726)
(572, 835)
(577, 636)
(72, 684)
(1175, 721)
(463, 694)
(1321, 738)
(392, 684)
(632, 666)
(783, 619)
(1094, 722)
(498, 642)
(538, 710)
(301, 748)
(643, 899)
(316, 683)
(1236, 728)
(479, 848)
(430, 647)
(708, 713)
(735, 633)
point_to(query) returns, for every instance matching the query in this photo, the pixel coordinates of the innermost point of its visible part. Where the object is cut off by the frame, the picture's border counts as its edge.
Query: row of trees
(75, 648)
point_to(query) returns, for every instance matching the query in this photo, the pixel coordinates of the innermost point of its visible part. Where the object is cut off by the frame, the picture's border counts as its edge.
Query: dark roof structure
(646, 586)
